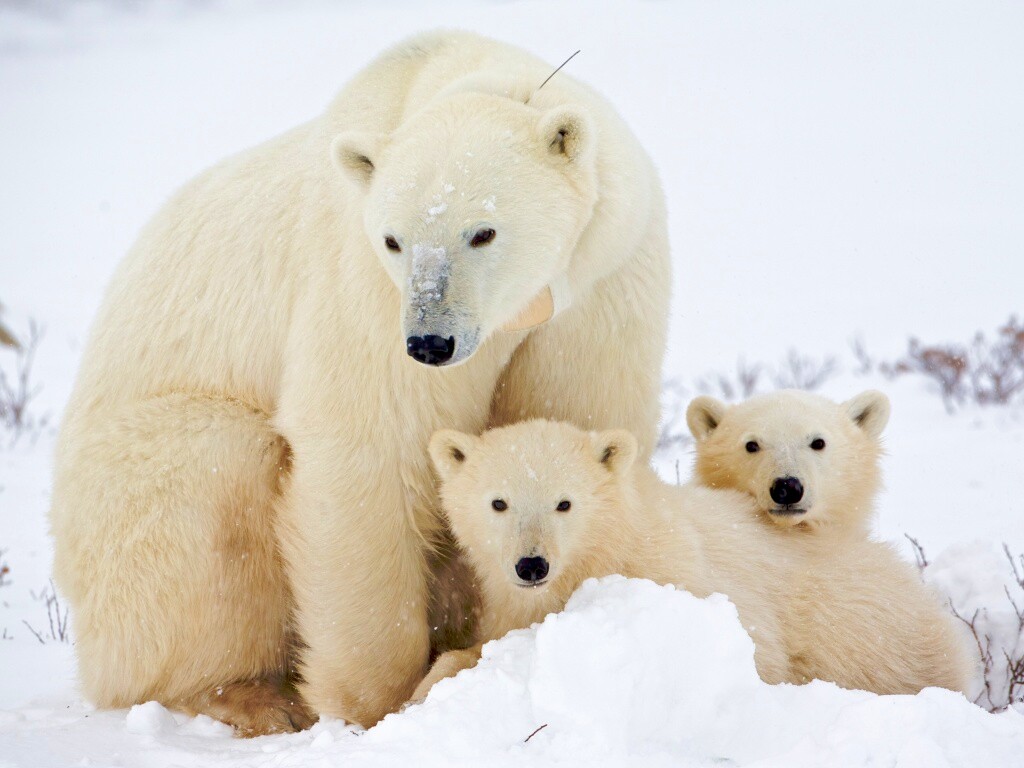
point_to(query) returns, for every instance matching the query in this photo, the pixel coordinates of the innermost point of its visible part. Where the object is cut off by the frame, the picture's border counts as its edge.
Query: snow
(832, 170)
(673, 685)
(428, 276)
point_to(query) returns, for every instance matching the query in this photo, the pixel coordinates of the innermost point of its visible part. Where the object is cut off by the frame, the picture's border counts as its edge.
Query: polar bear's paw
(255, 707)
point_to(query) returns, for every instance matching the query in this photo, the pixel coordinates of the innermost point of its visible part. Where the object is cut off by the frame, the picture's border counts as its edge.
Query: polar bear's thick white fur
(538, 507)
(242, 478)
(809, 463)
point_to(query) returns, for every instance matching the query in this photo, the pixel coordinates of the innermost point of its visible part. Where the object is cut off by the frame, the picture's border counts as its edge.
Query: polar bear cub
(538, 507)
(807, 461)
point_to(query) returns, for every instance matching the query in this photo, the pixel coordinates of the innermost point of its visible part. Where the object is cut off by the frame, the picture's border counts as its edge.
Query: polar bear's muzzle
(441, 327)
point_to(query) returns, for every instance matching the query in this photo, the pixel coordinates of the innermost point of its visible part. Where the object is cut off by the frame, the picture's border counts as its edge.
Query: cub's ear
(703, 416)
(355, 154)
(616, 449)
(567, 132)
(870, 411)
(449, 449)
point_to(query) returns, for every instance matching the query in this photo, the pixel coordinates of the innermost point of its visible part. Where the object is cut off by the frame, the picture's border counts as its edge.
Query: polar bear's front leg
(357, 572)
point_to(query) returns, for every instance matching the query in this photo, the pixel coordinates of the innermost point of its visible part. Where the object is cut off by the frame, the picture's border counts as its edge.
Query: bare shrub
(738, 385)
(5, 571)
(997, 373)
(675, 396)
(1015, 662)
(944, 365)
(795, 372)
(56, 615)
(804, 372)
(673, 431)
(983, 642)
(919, 556)
(982, 372)
(17, 390)
(1000, 643)
(6, 337)
(865, 363)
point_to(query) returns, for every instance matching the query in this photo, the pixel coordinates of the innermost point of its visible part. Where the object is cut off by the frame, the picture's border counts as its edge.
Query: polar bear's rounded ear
(567, 132)
(355, 154)
(616, 449)
(870, 411)
(703, 416)
(449, 450)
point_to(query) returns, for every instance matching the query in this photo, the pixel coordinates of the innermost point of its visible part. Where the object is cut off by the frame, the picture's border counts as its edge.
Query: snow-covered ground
(831, 171)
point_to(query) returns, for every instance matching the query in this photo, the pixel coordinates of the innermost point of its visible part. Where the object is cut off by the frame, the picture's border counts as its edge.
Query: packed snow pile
(631, 673)
(635, 673)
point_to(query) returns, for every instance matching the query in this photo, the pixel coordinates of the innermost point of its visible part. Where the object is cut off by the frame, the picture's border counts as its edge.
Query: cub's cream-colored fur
(817, 608)
(830, 449)
(242, 477)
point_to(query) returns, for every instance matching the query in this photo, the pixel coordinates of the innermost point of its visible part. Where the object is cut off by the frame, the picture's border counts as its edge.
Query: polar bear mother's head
(474, 205)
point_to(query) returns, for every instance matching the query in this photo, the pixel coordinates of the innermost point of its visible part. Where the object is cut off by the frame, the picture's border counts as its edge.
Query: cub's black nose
(786, 490)
(430, 350)
(532, 568)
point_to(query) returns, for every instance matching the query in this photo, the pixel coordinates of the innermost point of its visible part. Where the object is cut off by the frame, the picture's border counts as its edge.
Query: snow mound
(629, 674)
(636, 673)
(152, 719)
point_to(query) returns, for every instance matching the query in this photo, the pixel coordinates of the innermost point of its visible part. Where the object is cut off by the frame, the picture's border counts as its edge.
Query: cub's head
(474, 207)
(805, 459)
(528, 502)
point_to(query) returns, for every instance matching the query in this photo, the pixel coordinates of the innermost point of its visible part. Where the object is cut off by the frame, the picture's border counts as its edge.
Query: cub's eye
(392, 245)
(498, 505)
(752, 447)
(482, 237)
(818, 444)
(563, 506)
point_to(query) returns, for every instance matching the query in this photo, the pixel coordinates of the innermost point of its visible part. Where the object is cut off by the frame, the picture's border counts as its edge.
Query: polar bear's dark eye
(498, 505)
(752, 447)
(392, 245)
(564, 506)
(482, 237)
(818, 444)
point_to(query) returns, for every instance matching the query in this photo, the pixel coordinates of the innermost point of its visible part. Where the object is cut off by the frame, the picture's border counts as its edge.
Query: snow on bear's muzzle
(438, 331)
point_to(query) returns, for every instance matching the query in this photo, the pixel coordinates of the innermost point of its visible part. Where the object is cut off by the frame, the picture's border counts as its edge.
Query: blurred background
(832, 170)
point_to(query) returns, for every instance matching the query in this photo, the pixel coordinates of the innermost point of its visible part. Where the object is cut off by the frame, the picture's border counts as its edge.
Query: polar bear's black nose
(430, 350)
(786, 490)
(532, 568)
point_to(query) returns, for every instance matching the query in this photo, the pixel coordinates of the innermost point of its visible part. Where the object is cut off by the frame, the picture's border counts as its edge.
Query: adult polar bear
(242, 473)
